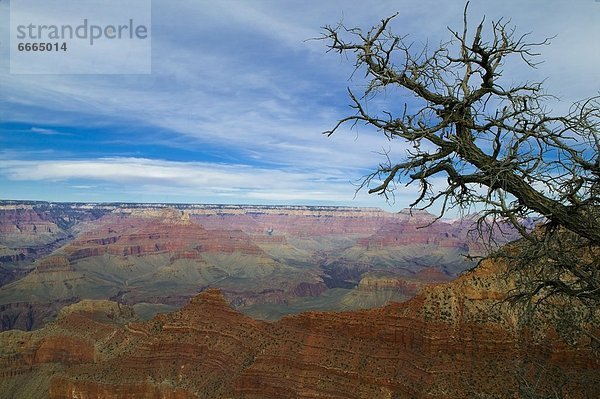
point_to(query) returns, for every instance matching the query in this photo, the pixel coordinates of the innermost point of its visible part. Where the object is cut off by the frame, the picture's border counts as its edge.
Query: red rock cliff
(448, 342)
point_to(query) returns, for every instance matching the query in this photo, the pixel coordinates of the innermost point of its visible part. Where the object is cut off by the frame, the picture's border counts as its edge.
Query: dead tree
(494, 145)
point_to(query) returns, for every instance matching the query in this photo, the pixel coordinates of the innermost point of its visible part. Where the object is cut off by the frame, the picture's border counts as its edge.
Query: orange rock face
(448, 342)
(64, 350)
(407, 286)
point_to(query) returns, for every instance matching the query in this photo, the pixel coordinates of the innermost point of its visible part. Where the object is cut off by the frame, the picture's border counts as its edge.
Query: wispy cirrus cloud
(47, 132)
(243, 182)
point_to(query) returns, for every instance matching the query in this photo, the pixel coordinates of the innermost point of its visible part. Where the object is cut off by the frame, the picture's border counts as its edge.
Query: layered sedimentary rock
(19, 221)
(131, 235)
(53, 263)
(277, 257)
(13, 265)
(36, 229)
(299, 225)
(416, 232)
(150, 255)
(451, 341)
(405, 286)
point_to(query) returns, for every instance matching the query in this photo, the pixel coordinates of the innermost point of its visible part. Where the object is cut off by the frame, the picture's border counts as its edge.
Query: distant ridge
(180, 205)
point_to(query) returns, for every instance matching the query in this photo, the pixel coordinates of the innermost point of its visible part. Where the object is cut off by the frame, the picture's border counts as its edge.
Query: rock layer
(448, 342)
(274, 259)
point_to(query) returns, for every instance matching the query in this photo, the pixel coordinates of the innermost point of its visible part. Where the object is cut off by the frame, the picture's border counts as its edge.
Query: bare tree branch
(496, 146)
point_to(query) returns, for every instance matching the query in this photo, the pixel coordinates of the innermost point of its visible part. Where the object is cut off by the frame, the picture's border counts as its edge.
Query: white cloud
(83, 187)
(187, 178)
(238, 77)
(46, 132)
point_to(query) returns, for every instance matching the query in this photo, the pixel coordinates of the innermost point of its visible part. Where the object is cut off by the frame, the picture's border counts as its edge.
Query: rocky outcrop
(99, 310)
(450, 341)
(65, 350)
(53, 263)
(310, 289)
(185, 354)
(403, 285)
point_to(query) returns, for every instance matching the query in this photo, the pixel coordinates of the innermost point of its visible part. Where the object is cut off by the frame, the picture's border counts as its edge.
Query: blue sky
(237, 99)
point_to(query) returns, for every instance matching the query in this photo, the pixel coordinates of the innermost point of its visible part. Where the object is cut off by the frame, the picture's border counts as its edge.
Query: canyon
(225, 301)
(269, 261)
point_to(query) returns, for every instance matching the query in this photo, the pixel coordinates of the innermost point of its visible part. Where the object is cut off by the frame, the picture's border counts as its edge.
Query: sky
(238, 97)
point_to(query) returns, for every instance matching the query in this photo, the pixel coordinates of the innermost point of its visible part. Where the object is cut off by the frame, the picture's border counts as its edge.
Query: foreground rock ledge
(448, 342)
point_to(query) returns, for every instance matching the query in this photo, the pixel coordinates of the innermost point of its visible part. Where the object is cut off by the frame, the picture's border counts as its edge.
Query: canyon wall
(450, 341)
(268, 260)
